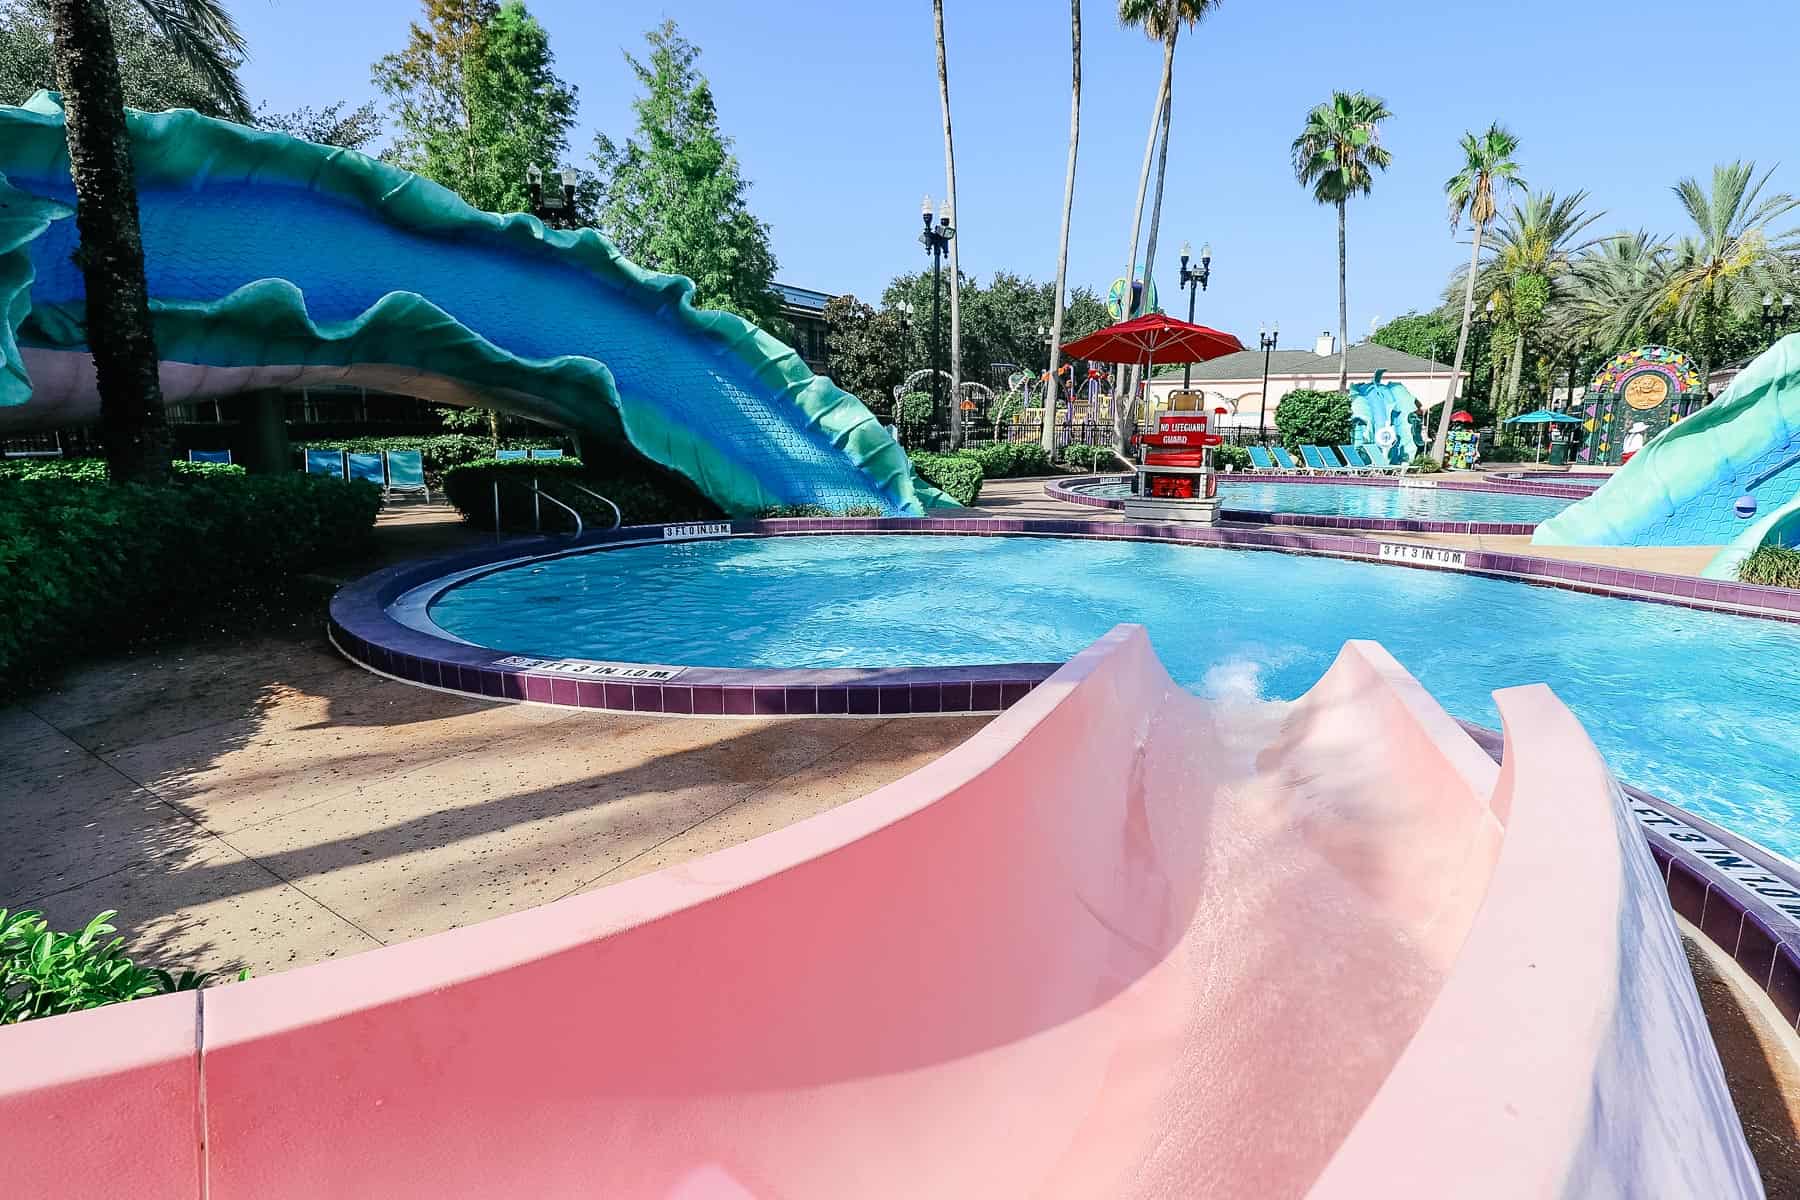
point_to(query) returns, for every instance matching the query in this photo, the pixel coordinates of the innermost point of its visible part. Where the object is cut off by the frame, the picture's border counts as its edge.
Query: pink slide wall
(1123, 942)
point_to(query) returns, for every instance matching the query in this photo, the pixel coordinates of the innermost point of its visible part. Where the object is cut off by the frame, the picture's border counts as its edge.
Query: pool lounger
(1321, 460)
(1287, 461)
(1357, 461)
(1259, 459)
(405, 473)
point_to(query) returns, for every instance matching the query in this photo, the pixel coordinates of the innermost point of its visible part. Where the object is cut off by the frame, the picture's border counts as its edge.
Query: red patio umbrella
(1153, 338)
(1462, 417)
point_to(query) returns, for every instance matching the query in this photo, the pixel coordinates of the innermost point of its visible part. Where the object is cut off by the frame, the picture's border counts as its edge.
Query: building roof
(1364, 359)
(799, 297)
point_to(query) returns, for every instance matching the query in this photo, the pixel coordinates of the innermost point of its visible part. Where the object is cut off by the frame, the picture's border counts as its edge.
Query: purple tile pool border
(1060, 489)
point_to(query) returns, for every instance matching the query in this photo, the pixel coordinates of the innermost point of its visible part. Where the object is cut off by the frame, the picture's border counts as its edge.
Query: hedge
(956, 475)
(1306, 417)
(1091, 458)
(1007, 460)
(1234, 458)
(93, 470)
(1774, 566)
(644, 497)
(99, 565)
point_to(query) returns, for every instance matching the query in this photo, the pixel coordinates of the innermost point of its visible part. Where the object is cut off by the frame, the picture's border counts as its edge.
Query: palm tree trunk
(1127, 387)
(1514, 371)
(1062, 252)
(133, 425)
(1343, 306)
(1441, 439)
(1162, 159)
(937, 12)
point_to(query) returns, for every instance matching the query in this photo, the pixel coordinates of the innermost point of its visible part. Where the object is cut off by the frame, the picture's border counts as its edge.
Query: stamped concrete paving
(262, 803)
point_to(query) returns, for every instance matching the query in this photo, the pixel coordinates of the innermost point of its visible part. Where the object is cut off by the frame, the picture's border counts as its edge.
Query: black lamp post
(936, 240)
(1777, 319)
(556, 211)
(1266, 339)
(1194, 280)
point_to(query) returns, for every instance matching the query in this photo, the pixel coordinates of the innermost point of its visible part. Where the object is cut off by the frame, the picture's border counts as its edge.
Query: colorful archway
(1635, 396)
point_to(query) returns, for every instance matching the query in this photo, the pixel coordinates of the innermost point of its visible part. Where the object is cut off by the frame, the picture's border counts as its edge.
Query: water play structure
(274, 262)
(1122, 942)
(1384, 419)
(1728, 474)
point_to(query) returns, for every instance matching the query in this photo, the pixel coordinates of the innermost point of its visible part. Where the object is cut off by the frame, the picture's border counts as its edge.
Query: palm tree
(1488, 166)
(1608, 283)
(119, 335)
(1160, 20)
(1532, 271)
(1062, 250)
(1337, 154)
(1728, 261)
(937, 12)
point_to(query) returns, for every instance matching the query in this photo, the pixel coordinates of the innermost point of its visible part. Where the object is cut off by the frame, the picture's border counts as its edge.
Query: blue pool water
(1699, 707)
(1352, 500)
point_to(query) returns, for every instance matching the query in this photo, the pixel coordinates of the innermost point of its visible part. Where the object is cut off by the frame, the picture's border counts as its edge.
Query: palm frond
(203, 33)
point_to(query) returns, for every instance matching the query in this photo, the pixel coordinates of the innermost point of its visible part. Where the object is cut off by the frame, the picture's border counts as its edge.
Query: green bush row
(1009, 460)
(93, 470)
(1773, 566)
(644, 498)
(1307, 417)
(1231, 458)
(956, 475)
(98, 565)
(818, 510)
(1090, 458)
(44, 973)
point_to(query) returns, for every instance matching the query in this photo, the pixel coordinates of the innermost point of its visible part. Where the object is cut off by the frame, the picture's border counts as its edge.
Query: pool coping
(1742, 896)
(1062, 490)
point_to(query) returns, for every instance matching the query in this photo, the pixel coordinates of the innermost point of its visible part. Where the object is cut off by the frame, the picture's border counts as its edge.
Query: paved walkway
(260, 802)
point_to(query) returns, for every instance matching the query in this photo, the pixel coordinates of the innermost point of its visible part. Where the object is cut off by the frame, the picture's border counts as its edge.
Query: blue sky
(835, 112)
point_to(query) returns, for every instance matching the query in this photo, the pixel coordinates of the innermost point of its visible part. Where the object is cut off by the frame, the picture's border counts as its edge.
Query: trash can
(1559, 454)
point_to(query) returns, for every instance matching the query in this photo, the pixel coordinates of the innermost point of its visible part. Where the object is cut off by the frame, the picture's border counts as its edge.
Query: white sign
(592, 670)
(1435, 555)
(706, 529)
(1774, 891)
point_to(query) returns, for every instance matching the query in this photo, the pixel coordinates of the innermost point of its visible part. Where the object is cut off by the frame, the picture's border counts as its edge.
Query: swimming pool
(1695, 706)
(1363, 500)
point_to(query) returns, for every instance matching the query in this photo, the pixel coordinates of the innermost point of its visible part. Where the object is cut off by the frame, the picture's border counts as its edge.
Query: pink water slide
(1123, 942)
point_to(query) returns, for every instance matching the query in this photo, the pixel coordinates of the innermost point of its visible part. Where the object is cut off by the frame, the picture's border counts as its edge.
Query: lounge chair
(325, 462)
(1259, 458)
(1358, 460)
(405, 473)
(209, 456)
(366, 466)
(545, 453)
(1321, 460)
(1286, 460)
(507, 455)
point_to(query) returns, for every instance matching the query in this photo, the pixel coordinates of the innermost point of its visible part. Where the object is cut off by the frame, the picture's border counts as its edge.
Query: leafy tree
(152, 73)
(674, 196)
(1337, 155)
(328, 126)
(867, 350)
(1488, 168)
(1305, 417)
(85, 58)
(476, 101)
(1426, 335)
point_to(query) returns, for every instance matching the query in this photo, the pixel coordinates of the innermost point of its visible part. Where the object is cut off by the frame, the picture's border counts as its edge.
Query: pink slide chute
(1123, 942)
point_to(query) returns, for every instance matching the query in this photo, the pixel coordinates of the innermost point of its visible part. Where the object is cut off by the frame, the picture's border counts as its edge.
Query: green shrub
(93, 470)
(912, 416)
(775, 511)
(1091, 458)
(1007, 460)
(43, 973)
(1233, 458)
(1509, 452)
(645, 498)
(1305, 417)
(100, 564)
(1773, 566)
(956, 475)
(1424, 464)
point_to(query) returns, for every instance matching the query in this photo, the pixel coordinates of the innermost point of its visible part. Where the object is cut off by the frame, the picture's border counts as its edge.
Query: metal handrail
(537, 519)
(618, 517)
